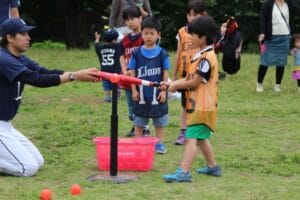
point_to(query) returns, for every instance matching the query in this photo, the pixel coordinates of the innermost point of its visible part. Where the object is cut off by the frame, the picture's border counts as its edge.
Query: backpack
(229, 43)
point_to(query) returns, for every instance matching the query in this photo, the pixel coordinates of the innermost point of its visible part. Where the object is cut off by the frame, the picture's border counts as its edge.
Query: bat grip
(156, 84)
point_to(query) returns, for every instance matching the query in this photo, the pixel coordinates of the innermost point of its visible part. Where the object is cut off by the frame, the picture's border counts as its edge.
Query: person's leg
(189, 155)
(130, 104)
(159, 124)
(159, 131)
(207, 152)
(139, 123)
(107, 94)
(182, 174)
(279, 75)
(107, 90)
(181, 136)
(212, 168)
(262, 70)
(18, 156)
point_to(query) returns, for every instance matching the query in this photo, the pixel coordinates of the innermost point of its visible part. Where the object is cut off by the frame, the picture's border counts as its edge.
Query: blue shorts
(157, 122)
(107, 85)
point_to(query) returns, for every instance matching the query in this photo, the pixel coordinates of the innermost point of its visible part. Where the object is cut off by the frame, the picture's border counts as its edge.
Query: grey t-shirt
(117, 8)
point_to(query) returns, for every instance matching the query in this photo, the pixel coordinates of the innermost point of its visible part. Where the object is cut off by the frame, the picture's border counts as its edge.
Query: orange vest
(187, 52)
(201, 104)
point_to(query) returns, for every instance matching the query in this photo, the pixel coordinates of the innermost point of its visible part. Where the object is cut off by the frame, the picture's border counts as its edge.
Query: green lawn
(257, 141)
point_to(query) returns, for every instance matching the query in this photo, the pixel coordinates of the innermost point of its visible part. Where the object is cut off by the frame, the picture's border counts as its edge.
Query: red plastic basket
(134, 154)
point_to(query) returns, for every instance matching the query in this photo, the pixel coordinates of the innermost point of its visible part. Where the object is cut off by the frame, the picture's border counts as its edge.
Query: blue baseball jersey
(109, 57)
(5, 6)
(149, 64)
(11, 88)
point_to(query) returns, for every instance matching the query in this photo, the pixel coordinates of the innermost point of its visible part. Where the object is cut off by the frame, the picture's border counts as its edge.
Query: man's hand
(87, 75)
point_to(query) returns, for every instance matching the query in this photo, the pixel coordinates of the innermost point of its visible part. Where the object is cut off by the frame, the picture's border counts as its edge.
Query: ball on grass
(46, 194)
(75, 189)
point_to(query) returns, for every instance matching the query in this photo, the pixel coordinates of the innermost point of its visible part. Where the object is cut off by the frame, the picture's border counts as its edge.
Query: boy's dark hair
(198, 6)
(151, 22)
(3, 42)
(204, 26)
(296, 37)
(131, 12)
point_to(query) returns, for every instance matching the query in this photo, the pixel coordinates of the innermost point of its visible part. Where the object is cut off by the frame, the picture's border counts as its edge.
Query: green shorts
(200, 132)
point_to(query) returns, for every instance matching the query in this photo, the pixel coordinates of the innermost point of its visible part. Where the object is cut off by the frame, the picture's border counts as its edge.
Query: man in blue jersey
(18, 156)
(150, 62)
(8, 8)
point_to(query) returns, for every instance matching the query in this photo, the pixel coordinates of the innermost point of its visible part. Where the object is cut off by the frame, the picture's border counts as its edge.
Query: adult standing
(117, 7)
(9, 8)
(275, 36)
(18, 156)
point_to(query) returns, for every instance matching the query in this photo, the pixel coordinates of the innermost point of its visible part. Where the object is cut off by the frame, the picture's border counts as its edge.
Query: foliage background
(51, 16)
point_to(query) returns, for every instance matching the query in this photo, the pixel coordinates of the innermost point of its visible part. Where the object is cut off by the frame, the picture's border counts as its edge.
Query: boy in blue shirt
(150, 62)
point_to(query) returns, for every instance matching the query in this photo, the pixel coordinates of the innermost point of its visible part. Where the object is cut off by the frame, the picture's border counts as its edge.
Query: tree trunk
(76, 25)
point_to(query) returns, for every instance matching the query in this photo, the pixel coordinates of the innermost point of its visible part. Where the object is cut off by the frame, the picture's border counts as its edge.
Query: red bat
(117, 78)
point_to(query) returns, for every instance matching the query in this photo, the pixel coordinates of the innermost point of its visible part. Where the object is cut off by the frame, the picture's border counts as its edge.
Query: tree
(76, 24)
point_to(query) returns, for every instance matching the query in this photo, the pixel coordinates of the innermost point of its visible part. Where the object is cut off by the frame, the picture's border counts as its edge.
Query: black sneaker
(146, 133)
(222, 75)
(131, 133)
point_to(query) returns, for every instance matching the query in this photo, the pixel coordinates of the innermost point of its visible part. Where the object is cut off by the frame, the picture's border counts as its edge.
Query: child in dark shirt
(109, 57)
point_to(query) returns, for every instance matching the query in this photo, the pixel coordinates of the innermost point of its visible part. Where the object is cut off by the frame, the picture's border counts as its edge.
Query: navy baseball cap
(14, 26)
(110, 35)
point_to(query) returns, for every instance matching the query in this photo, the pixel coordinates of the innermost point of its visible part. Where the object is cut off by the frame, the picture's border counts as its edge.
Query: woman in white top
(275, 37)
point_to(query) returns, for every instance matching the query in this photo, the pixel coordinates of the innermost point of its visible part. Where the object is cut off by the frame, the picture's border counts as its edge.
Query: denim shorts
(107, 85)
(157, 122)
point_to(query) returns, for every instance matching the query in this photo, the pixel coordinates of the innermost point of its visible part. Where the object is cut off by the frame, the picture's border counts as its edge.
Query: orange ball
(75, 189)
(46, 194)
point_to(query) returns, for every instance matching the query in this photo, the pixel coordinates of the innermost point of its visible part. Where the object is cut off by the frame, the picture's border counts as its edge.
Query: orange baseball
(46, 194)
(75, 189)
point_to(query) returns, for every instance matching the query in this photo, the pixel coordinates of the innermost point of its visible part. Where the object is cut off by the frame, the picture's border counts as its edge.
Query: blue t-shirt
(5, 6)
(12, 69)
(150, 53)
(149, 64)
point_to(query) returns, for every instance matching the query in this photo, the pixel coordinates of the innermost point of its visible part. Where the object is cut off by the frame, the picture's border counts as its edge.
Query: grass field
(257, 141)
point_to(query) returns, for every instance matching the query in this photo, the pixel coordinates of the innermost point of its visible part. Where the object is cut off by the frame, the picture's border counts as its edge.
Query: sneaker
(277, 88)
(131, 133)
(107, 99)
(259, 87)
(222, 75)
(146, 133)
(160, 148)
(213, 171)
(178, 176)
(181, 138)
